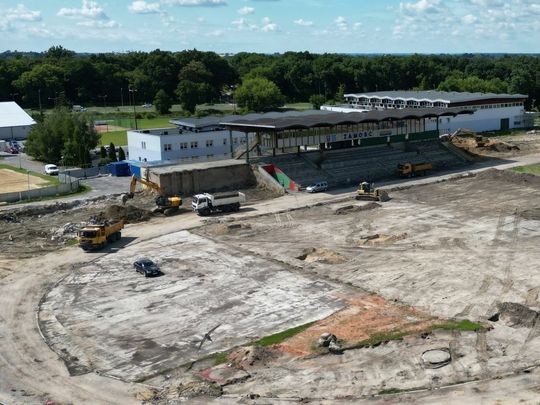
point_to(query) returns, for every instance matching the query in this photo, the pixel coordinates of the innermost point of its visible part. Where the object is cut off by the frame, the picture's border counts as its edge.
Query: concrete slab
(108, 318)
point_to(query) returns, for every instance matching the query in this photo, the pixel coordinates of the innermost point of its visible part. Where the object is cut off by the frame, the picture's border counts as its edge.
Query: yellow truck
(414, 169)
(96, 236)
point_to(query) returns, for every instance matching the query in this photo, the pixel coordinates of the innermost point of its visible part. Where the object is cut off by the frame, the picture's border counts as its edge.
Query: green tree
(112, 153)
(340, 93)
(193, 87)
(258, 94)
(102, 152)
(162, 102)
(121, 154)
(317, 100)
(63, 137)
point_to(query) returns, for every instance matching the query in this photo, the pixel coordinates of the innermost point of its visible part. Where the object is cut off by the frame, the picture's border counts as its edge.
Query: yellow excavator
(165, 204)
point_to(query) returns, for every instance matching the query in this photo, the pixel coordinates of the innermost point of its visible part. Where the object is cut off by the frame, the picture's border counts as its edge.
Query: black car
(147, 267)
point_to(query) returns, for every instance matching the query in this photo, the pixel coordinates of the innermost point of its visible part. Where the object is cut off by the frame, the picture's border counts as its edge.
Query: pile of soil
(249, 356)
(522, 179)
(129, 213)
(326, 256)
(378, 239)
(500, 147)
(225, 229)
(348, 209)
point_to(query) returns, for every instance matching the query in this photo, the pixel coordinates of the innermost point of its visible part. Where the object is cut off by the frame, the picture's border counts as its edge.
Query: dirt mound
(326, 256)
(524, 179)
(129, 213)
(248, 356)
(379, 239)
(500, 147)
(348, 209)
(515, 315)
(225, 229)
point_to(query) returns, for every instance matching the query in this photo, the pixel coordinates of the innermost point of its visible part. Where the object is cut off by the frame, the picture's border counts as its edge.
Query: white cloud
(89, 10)
(469, 19)
(244, 24)
(98, 24)
(196, 3)
(21, 13)
(341, 23)
(268, 25)
(303, 22)
(142, 7)
(246, 10)
(422, 7)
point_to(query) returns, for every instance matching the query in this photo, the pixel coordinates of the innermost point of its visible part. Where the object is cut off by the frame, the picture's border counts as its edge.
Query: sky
(268, 26)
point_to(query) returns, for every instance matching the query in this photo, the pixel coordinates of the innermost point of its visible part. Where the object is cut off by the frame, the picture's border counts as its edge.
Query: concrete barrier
(84, 173)
(71, 186)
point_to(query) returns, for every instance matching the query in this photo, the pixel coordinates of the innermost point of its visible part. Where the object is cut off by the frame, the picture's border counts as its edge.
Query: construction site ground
(390, 280)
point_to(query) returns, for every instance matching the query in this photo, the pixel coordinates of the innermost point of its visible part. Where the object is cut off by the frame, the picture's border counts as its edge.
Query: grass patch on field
(159, 122)
(81, 190)
(119, 138)
(299, 106)
(281, 336)
(463, 325)
(53, 180)
(532, 169)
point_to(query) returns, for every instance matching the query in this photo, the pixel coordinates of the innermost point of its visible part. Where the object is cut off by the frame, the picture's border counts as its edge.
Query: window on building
(194, 144)
(235, 140)
(143, 145)
(209, 143)
(167, 147)
(224, 141)
(183, 145)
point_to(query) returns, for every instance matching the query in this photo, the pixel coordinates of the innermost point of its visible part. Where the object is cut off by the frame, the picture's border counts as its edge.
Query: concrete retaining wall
(84, 173)
(70, 186)
(265, 180)
(191, 181)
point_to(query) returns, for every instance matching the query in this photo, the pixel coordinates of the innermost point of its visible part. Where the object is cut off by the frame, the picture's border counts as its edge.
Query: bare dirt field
(14, 181)
(431, 297)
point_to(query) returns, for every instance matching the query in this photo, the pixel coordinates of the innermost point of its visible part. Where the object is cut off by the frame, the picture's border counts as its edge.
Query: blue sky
(351, 26)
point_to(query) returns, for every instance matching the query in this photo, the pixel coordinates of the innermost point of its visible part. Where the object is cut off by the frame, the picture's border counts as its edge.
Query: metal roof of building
(212, 121)
(11, 115)
(330, 118)
(442, 96)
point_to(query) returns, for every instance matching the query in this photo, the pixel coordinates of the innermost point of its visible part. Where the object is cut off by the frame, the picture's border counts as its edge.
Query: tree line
(193, 77)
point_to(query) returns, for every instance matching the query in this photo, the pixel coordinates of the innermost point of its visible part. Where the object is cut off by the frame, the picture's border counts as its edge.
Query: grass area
(281, 336)
(119, 138)
(53, 180)
(463, 325)
(159, 122)
(532, 169)
(299, 106)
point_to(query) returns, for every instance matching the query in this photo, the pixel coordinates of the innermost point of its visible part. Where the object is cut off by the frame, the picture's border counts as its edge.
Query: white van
(316, 187)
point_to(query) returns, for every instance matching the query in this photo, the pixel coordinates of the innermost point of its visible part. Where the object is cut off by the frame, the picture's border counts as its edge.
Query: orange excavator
(165, 204)
(465, 133)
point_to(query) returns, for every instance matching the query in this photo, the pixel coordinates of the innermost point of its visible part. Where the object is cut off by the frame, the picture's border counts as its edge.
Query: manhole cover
(436, 358)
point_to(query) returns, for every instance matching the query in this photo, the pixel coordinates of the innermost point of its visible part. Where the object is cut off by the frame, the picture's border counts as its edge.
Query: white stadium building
(494, 112)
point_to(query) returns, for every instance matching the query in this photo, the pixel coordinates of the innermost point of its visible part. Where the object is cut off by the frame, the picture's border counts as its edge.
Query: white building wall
(18, 133)
(168, 144)
(484, 119)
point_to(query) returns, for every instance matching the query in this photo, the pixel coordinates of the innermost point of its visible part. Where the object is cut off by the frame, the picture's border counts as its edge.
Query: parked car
(147, 267)
(12, 149)
(316, 187)
(51, 170)
(147, 105)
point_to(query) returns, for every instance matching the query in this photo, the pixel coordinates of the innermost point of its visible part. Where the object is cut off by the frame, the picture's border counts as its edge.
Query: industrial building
(15, 123)
(493, 112)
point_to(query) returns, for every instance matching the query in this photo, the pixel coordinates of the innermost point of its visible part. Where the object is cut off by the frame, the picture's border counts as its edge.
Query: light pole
(122, 96)
(104, 97)
(133, 91)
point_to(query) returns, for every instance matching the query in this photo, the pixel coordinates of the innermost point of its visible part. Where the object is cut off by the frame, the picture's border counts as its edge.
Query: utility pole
(132, 91)
(122, 96)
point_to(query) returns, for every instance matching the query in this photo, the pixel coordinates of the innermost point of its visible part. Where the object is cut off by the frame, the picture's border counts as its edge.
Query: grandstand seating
(349, 166)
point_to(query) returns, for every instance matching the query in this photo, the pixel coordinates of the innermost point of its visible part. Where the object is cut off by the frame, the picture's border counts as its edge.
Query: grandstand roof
(330, 119)
(437, 96)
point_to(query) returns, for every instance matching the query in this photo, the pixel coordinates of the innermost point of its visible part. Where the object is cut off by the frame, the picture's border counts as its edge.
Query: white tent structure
(15, 123)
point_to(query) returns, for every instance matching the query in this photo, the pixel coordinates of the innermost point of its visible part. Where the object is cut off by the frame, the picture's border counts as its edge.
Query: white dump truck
(204, 204)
